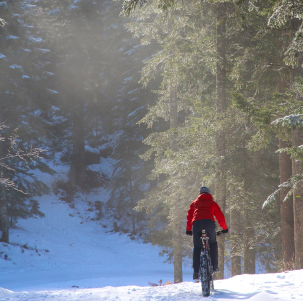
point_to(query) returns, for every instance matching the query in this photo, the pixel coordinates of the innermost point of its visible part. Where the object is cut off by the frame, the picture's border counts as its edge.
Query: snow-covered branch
(292, 183)
(289, 121)
(15, 153)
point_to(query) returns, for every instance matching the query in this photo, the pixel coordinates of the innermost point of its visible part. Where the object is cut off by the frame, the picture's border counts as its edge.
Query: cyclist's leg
(196, 260)
(210, 227)
(214, 255)
(197, 245)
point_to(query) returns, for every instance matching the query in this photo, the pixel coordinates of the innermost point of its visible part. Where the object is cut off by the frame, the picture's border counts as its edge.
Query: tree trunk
(177, 237)
(220, 189)
(297, 167)
(236, 241)
(249, 260)
(236, 238)
(3, 206)
(287, 211)
(132, 198)
(286, 208)
(4, 215)
(177, 251)
(249, 256)
(77, 168)
(173, 117)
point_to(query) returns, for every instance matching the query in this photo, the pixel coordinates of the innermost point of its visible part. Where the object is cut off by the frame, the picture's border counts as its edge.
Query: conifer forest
(178, 94)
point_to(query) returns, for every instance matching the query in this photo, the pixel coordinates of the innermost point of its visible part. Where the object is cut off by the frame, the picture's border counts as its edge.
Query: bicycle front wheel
(205, 275)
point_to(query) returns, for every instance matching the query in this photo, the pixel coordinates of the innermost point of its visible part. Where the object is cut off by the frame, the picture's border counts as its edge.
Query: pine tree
(221, 105)
(24, 100)
(176, 54)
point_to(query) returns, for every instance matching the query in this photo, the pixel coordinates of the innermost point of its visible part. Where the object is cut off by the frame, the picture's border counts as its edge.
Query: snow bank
(71, 247)
(5, 293)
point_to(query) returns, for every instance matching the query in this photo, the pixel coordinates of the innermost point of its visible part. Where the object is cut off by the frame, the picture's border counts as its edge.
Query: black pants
(210, 227)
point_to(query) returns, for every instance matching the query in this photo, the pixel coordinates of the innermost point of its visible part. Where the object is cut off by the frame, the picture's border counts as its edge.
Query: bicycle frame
(204, 237)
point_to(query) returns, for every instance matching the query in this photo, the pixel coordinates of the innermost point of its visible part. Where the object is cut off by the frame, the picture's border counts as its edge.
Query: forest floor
(66, 256)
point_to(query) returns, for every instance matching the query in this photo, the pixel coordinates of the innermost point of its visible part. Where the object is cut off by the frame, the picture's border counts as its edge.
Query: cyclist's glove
(222, 232)
(189, 232)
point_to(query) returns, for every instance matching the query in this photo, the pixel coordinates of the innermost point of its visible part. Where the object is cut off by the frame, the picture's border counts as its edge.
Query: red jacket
(204, 207)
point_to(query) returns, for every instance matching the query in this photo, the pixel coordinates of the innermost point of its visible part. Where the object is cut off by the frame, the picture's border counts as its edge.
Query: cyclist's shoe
(216, 269)
(196, 276)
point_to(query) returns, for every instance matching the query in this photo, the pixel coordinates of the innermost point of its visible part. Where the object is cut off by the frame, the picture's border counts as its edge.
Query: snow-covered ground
(66, 256)
(269, 287)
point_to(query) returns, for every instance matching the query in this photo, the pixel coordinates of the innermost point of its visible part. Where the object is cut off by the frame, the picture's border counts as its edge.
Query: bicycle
(206, 269)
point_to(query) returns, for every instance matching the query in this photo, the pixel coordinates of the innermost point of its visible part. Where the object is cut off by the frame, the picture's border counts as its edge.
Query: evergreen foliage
(255, 69)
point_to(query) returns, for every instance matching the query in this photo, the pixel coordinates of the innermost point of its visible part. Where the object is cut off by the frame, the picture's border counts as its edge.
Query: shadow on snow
(226, 294)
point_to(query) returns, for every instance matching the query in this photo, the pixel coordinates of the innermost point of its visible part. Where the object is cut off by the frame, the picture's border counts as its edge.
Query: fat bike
(206, 268)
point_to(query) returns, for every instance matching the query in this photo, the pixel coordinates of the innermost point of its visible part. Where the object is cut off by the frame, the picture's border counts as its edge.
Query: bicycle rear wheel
(205, 275)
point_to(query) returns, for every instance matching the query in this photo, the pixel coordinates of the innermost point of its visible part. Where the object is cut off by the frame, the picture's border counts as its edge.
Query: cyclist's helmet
(204, 189)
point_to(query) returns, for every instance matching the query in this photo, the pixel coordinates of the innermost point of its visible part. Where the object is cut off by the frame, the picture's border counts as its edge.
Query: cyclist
(200, 216)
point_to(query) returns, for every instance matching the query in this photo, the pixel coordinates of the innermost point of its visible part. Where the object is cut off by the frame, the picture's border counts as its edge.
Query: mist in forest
(174, 96)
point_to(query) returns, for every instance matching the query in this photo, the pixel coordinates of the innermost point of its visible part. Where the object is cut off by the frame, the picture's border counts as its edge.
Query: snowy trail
(65, 256)
(66, 248)
(265, 287)
(268, 287)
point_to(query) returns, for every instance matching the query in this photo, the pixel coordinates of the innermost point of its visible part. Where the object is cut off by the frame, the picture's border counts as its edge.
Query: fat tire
(205, 275)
